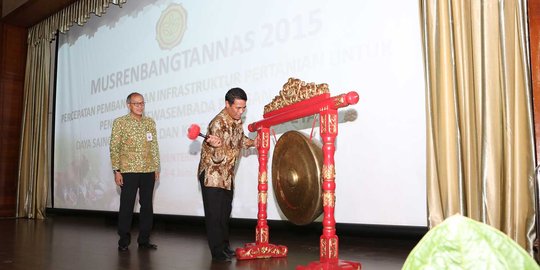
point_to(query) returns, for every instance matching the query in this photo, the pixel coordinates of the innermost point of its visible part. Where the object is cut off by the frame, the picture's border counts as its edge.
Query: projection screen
(184, 55)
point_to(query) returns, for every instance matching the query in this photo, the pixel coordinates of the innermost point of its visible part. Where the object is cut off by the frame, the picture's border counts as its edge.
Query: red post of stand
(261, 248)
(329, 240)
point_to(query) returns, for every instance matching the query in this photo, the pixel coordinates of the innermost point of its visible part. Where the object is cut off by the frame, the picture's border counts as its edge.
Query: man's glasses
(137, 104)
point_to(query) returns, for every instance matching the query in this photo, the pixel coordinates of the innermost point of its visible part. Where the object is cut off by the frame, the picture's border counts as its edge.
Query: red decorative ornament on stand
(284, 108)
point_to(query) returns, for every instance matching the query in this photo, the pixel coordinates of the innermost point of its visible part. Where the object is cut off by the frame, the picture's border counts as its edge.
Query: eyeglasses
(137, 104)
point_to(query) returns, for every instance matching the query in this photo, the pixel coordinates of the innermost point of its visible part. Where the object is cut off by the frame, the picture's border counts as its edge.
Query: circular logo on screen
(171, 26)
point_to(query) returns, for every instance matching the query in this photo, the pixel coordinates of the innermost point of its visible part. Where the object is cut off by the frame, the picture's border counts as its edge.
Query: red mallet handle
(193, 131)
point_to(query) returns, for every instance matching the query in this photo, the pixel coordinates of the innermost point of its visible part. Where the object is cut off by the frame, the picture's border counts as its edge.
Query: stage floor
(68, 242)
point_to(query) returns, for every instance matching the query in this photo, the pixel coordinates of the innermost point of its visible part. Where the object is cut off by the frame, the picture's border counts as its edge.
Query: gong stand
(298, 100)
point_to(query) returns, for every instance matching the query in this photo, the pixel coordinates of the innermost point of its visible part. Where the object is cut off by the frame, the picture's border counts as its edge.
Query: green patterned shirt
(134, 146)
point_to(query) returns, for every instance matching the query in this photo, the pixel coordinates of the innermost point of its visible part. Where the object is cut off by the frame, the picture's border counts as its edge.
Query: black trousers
(144, 183)
(217, 211)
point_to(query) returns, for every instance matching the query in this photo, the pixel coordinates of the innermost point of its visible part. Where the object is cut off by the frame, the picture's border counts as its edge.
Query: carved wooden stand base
(341, 264)
(260, 251)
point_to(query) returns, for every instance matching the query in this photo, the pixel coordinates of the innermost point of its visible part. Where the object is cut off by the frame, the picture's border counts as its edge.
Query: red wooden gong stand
(326, 107)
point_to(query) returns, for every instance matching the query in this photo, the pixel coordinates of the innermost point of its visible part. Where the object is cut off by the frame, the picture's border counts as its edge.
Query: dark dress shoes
(147, 246)
(230, 252)
(122, 248)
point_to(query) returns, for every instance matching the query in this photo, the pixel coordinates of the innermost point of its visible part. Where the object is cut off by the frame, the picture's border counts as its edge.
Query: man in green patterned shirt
(135, 162)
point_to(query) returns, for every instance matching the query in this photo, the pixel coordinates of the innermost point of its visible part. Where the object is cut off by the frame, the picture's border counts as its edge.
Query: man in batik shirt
(135, 163)
(219, 154)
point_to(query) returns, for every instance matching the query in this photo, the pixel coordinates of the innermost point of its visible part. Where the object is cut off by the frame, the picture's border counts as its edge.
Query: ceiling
(31, 12)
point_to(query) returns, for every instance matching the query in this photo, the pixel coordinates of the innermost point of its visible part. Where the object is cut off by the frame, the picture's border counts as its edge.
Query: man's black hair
(235, 93)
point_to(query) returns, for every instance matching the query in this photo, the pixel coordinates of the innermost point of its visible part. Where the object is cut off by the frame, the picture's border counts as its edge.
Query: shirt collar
(229, 119)
(132, 118)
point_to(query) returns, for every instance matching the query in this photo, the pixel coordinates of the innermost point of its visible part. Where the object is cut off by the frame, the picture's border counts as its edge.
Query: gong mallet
(193, 131)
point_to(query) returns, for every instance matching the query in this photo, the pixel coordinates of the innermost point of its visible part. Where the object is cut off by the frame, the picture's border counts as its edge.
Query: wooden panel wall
(13, 49)
(534, 37)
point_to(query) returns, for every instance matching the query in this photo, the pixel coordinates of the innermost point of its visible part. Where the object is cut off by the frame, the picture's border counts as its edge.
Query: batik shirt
(133, 145)
(219, 163)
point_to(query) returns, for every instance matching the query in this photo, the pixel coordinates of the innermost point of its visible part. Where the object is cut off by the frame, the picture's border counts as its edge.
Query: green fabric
(463, 243)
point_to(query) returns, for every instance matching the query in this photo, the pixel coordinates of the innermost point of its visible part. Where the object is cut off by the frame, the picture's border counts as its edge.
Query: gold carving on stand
(329, 122)
(263, 178)
(329, 199)
(339, 101)
(329, 172)
(332, 123)
(323, 247)
(263, 197)
(333, 248)
(329, 248)
(262, 235)
(295, 90)
(265, 140)
(266, 252)
(323, 124)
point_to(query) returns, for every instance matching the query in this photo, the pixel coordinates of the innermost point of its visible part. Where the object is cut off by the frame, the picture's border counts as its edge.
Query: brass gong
(296, 177)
